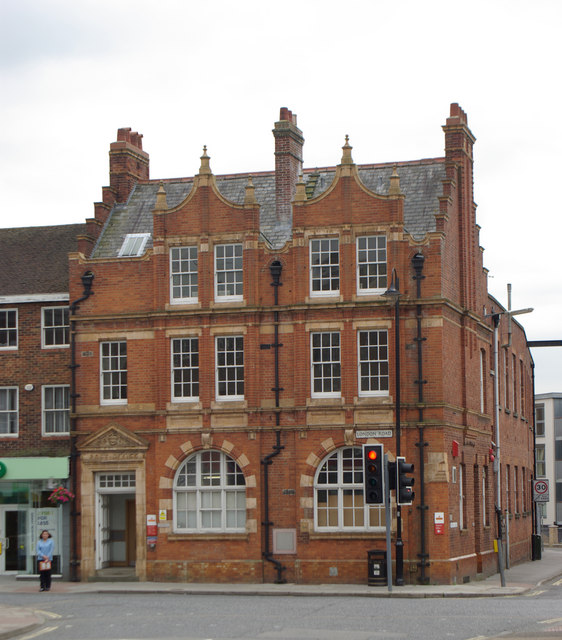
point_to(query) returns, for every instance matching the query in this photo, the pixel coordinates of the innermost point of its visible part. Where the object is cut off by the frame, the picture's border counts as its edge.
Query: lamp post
(393, 294)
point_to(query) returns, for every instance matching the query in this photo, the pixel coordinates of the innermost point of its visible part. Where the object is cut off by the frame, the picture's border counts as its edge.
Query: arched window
(339, 503)
(209, 494)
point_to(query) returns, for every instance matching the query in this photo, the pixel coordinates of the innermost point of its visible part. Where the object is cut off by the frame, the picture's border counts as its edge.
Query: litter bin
(536, 547)
(376, 562)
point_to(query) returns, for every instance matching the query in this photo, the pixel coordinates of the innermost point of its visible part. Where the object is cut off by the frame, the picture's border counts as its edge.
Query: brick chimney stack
(128, 163)
(288, 162)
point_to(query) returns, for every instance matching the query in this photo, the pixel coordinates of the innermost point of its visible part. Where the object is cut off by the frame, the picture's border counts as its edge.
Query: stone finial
(205, 169)
(250, 195)
(161, 202)
(300, 192)
(394, 189)
(346, 156)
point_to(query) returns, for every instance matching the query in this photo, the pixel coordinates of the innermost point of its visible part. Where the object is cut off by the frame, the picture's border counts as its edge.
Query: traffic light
(404, 483)
(373, 473)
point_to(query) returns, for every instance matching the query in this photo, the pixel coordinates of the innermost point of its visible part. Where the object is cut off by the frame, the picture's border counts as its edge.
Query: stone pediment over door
(114, 439)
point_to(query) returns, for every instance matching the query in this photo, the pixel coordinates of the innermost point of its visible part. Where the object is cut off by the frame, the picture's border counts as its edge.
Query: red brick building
(34, 392)
(238, 350)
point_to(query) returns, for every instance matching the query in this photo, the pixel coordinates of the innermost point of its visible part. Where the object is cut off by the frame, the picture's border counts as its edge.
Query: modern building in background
(34, 392)
(239, 348)
(548, 432)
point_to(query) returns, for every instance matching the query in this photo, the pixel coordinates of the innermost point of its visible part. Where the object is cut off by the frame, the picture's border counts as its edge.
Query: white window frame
(485, 522)
(185, 372)
(7, 329)
(371, 260)
(184, 274)
(540, 462)
(111, 378)
(133, 245)
(373, 364)
(341, 474)
(539, 420)
(229, 370)
(506, 375)
(324, 367)
(482, 381)
(59, 413)
(462, 496)
(323, 269)
(209, 485)
(229, 272)
(115, 482)
(6, 410)
(54, 328)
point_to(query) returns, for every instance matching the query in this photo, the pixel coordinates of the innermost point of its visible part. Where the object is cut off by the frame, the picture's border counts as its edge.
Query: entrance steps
(115, 574)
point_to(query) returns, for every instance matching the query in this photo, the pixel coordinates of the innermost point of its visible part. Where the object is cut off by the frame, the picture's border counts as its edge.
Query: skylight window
(133, 245)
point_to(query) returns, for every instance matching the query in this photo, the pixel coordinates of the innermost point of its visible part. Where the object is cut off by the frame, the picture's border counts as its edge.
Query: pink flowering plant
(59, 495)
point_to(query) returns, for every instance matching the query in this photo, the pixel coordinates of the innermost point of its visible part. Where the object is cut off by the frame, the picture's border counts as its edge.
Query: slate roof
(420, 181)
(34, 260)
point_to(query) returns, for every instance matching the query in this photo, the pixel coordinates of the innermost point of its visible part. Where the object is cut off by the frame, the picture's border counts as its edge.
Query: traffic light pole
(388, 519)
(399, 543)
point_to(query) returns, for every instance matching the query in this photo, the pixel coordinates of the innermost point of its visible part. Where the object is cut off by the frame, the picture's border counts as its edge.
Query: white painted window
(184, 275)
(185, 369)
(482, 381)
(339, 503)
(539, 420)
(324, 267)
(113, 368)
(115, 481)
(462, 496)
(55, 327)
(209, 494)
(56, 409)
(540, 460)
(133, 245)
(372, 348)
(9, 329)
(371, 264)
(485, 522)
(229, 358)
(9, 418)
(326, 364)
(228, 272)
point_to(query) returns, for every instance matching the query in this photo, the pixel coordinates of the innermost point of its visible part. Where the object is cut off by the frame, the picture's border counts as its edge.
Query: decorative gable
(114, 438)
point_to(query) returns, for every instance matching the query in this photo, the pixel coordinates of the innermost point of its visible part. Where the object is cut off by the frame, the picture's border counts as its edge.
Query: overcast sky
(186, 73)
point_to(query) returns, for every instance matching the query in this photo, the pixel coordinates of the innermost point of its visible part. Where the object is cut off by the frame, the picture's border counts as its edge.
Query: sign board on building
(374, 433)
(540, 490)
(439, 523)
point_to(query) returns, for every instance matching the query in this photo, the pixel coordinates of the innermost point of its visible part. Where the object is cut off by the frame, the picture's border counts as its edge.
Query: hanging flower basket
(60, 495)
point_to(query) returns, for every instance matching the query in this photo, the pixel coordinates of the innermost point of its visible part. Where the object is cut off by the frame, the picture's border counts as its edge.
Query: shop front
(25, 510)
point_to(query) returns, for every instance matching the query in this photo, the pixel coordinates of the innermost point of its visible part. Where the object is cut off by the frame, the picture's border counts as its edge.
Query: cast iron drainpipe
(87, 280)
(275, 269)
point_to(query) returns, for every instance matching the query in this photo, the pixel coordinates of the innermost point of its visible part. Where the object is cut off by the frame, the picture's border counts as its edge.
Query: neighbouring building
(548, 451)
(34, 392)
(238, 349)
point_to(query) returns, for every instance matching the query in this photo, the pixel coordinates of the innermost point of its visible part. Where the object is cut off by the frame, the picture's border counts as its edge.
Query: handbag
(45, 565)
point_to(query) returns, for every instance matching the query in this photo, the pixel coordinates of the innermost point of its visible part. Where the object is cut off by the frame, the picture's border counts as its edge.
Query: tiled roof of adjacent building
(34, 260)
(420, 181)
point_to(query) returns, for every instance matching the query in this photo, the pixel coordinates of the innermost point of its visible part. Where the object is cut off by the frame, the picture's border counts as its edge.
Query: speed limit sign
(540, 491)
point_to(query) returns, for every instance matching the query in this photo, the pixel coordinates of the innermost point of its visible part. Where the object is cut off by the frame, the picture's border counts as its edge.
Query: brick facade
(280, 426)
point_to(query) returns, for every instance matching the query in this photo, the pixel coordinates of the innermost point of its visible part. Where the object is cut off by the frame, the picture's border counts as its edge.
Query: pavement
(520, 579)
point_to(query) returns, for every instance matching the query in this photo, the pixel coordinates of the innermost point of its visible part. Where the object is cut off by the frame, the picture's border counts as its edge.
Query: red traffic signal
(373, 473)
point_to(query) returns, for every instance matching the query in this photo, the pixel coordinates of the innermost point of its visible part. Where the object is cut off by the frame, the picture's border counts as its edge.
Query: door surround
(112, 449)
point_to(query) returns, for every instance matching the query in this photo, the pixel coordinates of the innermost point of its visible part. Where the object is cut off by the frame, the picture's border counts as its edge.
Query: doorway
(13, 538)
(115, 521)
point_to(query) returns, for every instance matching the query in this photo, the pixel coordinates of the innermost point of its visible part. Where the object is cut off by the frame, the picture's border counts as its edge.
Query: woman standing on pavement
(44, 553)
